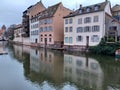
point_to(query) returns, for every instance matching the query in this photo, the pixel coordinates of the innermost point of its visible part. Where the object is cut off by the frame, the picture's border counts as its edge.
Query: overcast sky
(11, 11)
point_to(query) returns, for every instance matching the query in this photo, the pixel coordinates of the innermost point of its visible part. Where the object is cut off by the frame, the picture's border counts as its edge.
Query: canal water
(25, 68)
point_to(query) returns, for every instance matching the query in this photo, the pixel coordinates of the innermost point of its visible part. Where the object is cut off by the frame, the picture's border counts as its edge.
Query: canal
(25, 68)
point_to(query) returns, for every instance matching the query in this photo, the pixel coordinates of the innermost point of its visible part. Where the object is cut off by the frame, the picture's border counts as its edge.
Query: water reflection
(47, 63)
(84, 71)
(3, 47)
(54, 70)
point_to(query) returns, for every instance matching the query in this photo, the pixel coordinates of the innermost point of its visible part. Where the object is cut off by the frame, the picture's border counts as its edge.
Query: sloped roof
(49, 12)
(101, 7)
(112, 18)
(116, 8)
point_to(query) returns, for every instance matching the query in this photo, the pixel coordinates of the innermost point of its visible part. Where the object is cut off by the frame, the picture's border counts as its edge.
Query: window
(70, 21)
(95, 28)
(66, 29)
(45, 21)
(70, 29)
(79, 38)
(96, 8)
(95, 38)
(45, 29)
(50, 21)
(79, 29)
(66, 21)
(87, 20)
(66, 39)
(41, 29)
(87, 29)
(50, 28)
(96, 18)
(36, 32)
(88, 9)
(80, 11)
(50, 34)
(70, 39)
(79, 63)
(80, 21)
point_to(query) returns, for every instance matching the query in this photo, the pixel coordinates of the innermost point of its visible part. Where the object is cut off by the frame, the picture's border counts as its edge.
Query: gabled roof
(112, 18)
(101, 7)
(116, 8)
(49, 12)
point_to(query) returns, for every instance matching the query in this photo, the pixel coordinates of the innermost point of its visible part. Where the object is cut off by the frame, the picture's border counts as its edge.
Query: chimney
(106, 0)
(80, 6)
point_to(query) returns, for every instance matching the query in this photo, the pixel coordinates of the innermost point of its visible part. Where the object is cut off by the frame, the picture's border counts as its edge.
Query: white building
(86, 26)
(34, 31)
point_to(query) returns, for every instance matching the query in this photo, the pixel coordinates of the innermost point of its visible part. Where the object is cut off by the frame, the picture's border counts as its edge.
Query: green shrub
(105, 48)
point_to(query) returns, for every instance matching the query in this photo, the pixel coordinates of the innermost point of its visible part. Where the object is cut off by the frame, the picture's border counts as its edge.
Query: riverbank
(105, 48)
(60, 48)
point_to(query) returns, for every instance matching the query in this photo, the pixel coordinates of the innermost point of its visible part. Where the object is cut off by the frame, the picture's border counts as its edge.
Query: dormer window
(96, 7)
(88, 9)
(80, 11)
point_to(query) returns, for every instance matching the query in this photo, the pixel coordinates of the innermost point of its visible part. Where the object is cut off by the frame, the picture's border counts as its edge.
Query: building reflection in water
(84, 71)
(22, 54)
(21, 51)
(46, 64)
(3, 46)
(59, 69)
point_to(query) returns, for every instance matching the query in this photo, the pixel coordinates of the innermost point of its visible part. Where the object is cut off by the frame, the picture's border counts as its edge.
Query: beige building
(116, 12)
(18, 33)
(51, 25)
(38, 7)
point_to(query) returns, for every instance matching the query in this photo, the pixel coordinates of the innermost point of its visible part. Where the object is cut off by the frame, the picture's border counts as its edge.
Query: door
(36, 40)
(87, 41)
(45, 41)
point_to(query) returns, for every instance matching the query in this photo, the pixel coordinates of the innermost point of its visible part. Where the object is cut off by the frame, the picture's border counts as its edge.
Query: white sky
(11, 11)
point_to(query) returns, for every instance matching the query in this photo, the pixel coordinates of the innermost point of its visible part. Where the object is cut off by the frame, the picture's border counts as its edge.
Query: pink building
(51, 25)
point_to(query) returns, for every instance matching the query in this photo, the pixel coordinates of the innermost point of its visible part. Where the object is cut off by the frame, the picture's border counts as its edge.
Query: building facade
(2, 32)
(25, 24)
(18, 34)
(112, 29)
(34, 31)
(85, 26)
(116, 12)
(51, 25)
(34, 23)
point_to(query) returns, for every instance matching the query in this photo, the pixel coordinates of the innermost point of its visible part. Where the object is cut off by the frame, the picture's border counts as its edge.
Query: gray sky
(11, 11)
